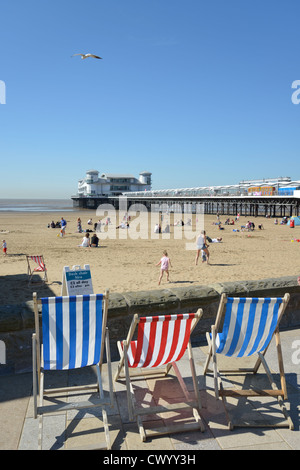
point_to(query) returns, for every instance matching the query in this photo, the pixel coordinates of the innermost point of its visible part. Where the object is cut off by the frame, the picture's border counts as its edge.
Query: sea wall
(17, 321)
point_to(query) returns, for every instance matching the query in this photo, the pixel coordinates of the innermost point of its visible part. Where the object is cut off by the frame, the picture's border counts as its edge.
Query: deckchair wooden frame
(31, 271)
(38, 379)
(137, 412)
(220, 391)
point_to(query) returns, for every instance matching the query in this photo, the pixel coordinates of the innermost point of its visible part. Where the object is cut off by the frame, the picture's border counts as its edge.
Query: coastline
(35, 205)
(125, 260)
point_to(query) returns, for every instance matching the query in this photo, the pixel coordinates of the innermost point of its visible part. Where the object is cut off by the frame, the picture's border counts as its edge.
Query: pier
(252, 206)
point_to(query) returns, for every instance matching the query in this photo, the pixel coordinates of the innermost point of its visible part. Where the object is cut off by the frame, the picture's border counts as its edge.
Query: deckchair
(32, 269)
(73, 333)
(161, 341)
(249, 325)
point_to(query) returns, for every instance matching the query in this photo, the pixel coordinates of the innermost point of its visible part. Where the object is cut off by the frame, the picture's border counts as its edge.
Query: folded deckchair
(73, 336)
(36, 264)
(161, 341)
(249, 325)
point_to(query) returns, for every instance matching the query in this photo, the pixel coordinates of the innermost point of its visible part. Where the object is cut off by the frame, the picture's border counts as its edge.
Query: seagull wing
(85, 56)
(93, 55)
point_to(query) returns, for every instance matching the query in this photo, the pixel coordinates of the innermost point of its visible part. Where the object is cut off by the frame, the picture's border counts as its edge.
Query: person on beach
(202, 245)
(86, 241)
(164, 263)
(214, 240)
(4, 247)
(79, 226)
(95, 241)
(97, 226)
(63, 225)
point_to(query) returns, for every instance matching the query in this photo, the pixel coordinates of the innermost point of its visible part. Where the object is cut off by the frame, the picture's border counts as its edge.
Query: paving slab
(70, 430)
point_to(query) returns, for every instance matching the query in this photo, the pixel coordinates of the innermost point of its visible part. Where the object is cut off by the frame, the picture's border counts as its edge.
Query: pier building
(273, 197)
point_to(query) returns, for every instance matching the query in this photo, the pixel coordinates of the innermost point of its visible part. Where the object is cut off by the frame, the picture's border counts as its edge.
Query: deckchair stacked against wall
(73, 332)
(249, 325)
(161, 341)
(36, 264)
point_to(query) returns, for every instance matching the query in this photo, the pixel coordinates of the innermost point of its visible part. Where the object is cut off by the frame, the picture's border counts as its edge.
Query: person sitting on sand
(86, 240)
(95, 241)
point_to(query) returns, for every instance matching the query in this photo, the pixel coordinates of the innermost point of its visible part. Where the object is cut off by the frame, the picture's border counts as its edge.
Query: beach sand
(127, 263)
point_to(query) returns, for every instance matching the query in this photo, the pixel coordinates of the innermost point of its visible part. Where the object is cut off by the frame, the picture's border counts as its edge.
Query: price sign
(77, 281)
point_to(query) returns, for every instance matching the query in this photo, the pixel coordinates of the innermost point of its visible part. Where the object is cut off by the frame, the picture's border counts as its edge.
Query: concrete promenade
(71, 430)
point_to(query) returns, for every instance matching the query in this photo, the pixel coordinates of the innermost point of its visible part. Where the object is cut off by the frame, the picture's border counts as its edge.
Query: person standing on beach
(79, 227)
(201, 245)
(4, 246)
(164, 263)
(63, 225)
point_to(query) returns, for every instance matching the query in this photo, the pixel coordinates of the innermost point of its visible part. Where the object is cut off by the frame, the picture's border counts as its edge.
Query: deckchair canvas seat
(36, 264)
(249, 325)
(73, 336)
(161, 341)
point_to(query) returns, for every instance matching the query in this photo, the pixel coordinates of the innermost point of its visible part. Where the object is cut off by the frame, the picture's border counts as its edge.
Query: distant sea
(36, 205)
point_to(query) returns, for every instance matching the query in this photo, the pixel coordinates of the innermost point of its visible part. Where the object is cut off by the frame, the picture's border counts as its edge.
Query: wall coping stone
(20, 316)
(17, 321)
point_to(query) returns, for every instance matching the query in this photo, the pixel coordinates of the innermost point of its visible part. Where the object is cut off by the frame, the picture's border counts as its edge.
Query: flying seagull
(85, 56)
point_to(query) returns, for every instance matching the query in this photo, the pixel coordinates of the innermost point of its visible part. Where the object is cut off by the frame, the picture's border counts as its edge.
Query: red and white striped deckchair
(40, 268)
(161, 341)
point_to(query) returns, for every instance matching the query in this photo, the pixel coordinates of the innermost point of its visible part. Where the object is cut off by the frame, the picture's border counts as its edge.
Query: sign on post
(77, 281)
(2, 353)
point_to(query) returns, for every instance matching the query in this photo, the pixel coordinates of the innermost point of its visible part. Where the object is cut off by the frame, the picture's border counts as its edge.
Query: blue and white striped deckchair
(73, 332)
(249, 325)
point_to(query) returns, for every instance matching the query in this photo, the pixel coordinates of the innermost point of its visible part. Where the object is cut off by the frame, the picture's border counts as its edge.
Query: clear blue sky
(197, 92)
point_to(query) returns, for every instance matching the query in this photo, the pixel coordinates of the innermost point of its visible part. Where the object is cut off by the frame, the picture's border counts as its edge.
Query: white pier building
(107, 184)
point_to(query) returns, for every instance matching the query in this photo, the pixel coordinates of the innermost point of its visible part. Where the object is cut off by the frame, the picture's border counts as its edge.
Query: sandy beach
(126, 258)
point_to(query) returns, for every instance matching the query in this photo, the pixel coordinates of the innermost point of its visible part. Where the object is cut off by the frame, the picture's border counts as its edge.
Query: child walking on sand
(165, 263)
(202, 247)
(4, 246)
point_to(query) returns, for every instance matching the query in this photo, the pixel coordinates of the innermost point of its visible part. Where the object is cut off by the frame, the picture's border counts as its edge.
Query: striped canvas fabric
(161, 339)
(248, 326)
(72, 331)
(38, 260)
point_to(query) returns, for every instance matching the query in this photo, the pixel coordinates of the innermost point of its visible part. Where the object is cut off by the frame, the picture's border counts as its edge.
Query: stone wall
(17, 321)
